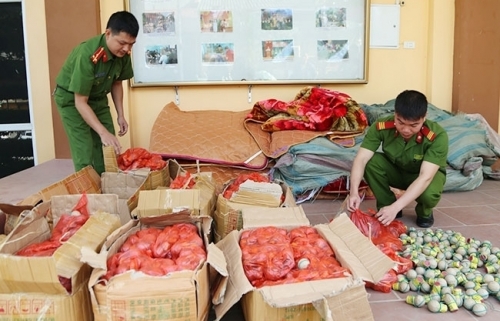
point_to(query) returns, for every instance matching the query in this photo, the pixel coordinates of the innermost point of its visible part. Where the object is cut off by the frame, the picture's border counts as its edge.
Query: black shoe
(425, 221)
(400, 214)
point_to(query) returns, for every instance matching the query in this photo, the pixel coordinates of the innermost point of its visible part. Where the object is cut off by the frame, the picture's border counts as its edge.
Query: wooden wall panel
(476, 68)
(68, 24)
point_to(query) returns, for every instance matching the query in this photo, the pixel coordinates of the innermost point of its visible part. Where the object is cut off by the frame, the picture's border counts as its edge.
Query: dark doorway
(16, 143)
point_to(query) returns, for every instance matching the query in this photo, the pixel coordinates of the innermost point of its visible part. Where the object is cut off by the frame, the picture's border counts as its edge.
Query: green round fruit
(479, 309)
(434, 306)
(469, 303)
(411, 274)
(483, 293)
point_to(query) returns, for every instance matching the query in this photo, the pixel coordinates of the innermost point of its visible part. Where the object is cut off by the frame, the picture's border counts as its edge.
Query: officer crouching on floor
(413, 158)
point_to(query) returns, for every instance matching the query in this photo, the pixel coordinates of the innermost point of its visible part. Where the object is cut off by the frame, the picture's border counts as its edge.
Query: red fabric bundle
(316, 109)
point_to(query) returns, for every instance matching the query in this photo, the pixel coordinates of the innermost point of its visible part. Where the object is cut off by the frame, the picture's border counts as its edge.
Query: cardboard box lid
(85, 180)
(167, 201)
(219, 278)
(352, 249)
(350, 304)
(64, 204)
(256, 216)
(125, 185)
(41, 274)
(110, 159)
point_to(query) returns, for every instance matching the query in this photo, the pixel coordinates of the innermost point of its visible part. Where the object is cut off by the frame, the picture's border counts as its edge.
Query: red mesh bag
(158, 252)
(271, 255)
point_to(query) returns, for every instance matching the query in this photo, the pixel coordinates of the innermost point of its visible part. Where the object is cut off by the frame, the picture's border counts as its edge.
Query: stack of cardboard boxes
(30, 287)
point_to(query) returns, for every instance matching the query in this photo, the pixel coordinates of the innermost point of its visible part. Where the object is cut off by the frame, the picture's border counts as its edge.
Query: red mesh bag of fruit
(183, 181)
(135, 158)
(266, 253)
(157, 252)
(66, 227)
(370, 226)
(273, 256)
(384, 285)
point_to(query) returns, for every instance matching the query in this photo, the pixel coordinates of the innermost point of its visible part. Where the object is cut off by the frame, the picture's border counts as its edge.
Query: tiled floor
(475, 214)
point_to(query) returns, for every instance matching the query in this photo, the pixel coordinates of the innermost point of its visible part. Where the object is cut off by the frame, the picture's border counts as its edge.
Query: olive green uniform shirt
(408, 156)
(80, 75)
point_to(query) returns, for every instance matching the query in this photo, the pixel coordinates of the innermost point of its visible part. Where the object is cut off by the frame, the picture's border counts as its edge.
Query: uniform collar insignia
(385, 125)
(425, 132)
(100, 53)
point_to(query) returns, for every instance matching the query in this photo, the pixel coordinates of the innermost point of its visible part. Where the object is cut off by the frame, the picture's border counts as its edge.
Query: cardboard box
(179, 296)
(200, 199)
(41, 274)
(331, 299)
(41, 306)
(127, 186)
(227, 215)
(154, 179)
(85, 180)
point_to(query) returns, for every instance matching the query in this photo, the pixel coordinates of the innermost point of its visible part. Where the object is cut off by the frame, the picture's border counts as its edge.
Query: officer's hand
(386, 215)
(353, 202)
(109, 139)
(123, 126)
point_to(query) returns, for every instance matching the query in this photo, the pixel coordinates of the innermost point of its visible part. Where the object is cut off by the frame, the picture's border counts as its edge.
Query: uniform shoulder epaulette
(385, 125)
(98, 54)
(428, 133)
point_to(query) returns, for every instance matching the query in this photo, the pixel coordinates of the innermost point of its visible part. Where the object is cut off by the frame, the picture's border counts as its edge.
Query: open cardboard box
(200, 199)
(133, 295)
(154, 178)
(85, 180)
(331, 299)
(125, 185)
(30, 288)
(41, 274)
(227, 215)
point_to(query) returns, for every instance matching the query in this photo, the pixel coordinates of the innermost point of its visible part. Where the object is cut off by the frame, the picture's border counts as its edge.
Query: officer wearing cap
(92, 70)
(412, 158)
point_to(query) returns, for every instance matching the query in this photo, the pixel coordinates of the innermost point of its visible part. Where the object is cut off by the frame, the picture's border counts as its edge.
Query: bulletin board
(204, 42)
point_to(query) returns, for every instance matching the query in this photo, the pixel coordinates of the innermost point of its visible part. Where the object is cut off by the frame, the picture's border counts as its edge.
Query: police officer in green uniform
(93, 69)
(412, 158)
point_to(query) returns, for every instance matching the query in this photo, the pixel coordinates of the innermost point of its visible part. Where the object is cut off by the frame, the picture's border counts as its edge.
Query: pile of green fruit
(449, 271)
